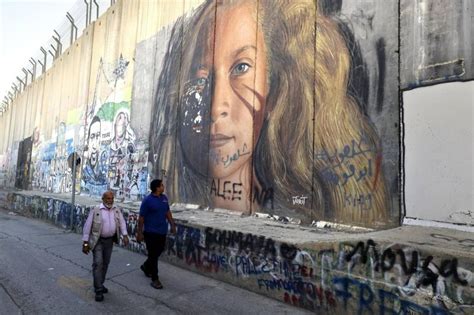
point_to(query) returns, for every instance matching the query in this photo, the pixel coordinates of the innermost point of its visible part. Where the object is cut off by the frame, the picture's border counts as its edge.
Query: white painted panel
(439, 167)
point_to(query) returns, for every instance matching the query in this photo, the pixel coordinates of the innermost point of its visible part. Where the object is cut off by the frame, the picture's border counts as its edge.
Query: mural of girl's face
(238, 67)
(121, 123)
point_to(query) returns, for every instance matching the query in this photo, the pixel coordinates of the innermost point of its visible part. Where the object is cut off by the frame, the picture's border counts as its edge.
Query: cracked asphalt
(43, 271)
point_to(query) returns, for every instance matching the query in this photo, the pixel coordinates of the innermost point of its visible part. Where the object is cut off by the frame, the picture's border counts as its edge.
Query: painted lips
(218, 140)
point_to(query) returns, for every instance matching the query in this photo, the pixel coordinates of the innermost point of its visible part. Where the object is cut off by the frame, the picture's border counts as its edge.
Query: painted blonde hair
(313, 119)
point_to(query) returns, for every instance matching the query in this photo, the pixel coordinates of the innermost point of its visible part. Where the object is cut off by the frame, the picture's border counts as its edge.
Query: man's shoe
(103, 290)
(147, 274)
(156, 284)
(99, 297)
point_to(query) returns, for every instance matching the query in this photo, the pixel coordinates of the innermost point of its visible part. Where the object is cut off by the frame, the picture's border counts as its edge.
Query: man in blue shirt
(153, 222)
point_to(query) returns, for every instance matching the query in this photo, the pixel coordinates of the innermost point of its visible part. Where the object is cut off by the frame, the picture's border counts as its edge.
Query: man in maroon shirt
(104, 225)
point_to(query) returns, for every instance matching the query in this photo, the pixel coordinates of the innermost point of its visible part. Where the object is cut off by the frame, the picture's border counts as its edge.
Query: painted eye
(240, 68)
(201, 81)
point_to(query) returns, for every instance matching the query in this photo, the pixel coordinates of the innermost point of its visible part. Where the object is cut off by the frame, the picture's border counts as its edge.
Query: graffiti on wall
(50, 170)
(41, 175)
(62, 175)
(364, 277)
(291, 107)
(95, 167)
(3, 170)
(23, 164)
(56, 211)
(361, 277)
(248, 122)
(114, 158)
(9, 166)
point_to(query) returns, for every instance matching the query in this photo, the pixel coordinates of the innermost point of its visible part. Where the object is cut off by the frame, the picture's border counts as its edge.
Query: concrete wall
(306, 125)
(295, 151)
(436, 47)
(439, 124)
(349, 274)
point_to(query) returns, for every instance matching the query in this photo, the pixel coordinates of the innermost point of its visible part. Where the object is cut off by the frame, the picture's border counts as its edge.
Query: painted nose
(222, 92)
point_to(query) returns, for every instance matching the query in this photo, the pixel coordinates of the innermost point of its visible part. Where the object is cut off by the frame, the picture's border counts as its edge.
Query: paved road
(43, 271)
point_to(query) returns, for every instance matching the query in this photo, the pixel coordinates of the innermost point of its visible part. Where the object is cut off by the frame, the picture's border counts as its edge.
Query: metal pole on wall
(73, 197)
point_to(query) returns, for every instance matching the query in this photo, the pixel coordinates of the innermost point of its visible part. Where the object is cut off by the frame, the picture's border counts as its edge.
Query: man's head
(94, 140)
(108, 199)
(157, 187)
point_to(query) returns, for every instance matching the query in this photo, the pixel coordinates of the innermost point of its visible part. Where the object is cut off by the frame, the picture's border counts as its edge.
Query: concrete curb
(406, 269)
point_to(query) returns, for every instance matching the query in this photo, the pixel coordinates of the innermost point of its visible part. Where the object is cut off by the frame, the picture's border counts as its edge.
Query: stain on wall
(424, 31)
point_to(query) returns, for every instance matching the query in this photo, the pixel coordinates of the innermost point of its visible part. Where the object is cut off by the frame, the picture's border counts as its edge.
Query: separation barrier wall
(290, 108)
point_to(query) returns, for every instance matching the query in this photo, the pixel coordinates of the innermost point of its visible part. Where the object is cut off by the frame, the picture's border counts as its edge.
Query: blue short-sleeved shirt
(154, 210)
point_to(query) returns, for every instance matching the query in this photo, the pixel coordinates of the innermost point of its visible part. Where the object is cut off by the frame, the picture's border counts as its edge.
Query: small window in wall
(439, 142)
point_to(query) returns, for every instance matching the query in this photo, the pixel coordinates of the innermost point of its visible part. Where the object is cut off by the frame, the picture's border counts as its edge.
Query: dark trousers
(101, 259)
(155, 245)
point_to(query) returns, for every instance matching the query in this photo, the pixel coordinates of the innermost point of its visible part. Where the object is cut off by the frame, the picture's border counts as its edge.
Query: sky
(25, 26)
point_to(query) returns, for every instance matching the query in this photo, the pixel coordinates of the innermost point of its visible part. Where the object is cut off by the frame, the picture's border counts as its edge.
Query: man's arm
(169, 217)
(86, 231)
(141, 222)
(123, 229)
